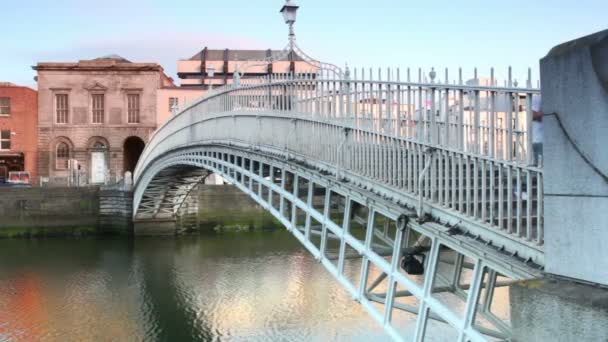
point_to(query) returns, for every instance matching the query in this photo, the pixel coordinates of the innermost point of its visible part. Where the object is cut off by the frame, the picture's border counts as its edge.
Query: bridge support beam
(574, 79)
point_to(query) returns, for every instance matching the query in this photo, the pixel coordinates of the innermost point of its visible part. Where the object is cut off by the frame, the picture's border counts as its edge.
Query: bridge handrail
(355, 92)
(287, 80)
(465, 124)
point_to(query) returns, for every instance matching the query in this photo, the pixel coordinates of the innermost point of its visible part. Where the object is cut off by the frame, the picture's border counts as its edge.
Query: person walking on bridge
(537, 130)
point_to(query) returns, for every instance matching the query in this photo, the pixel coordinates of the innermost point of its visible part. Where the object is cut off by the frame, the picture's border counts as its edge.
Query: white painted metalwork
(373, 168)
(477, 176)
(440, 153)
(318, 209)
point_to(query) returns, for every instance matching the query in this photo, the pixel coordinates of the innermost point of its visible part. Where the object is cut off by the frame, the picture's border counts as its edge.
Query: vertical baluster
(492, 119)
(334, 98)
(539, 209)
(440, 176)
(476, 162)
(484, 178)
(519, 194)
(410, 107)
(492, 190)
(468, 184)
(529, 133)
(355, 104)
(501, 190)
(447, 112)
(460, 113)
(509, 123)
(409, 150)
(398, 127)
(509, 226)
(477, 122)
(421, 108)
(380, 127)
(389, 101)
(312, 94)
(529, 201)
(414, 147)
(446, 178)
(431, 181)
(453, 178)
(433, 119)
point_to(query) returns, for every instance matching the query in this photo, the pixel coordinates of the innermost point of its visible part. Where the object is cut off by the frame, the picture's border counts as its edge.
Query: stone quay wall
(48, 211)
(39, 212)
(225, 207)
(115, 210)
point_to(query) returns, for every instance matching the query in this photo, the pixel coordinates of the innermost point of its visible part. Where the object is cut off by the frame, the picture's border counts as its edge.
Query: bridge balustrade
(463, 149)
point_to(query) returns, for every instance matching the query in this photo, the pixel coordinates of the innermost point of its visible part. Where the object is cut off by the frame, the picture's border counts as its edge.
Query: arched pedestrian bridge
(428, 186)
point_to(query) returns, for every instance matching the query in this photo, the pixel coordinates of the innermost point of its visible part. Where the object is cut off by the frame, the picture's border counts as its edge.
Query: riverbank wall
(37, 212)
(225, 207)
(40, 212)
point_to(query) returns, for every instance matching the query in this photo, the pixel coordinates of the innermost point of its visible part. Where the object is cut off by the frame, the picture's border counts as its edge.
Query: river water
(253, 286)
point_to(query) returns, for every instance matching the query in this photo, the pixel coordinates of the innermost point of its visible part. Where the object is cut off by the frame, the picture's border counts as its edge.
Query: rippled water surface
(232, 287)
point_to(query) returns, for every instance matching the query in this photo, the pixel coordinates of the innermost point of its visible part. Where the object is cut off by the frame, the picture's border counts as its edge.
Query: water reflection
(250, 286)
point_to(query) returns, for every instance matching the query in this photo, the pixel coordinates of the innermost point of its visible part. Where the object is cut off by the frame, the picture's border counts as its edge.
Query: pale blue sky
(376, 33)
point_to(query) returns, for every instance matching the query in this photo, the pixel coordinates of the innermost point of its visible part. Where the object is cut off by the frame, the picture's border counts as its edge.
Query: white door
(98, 167)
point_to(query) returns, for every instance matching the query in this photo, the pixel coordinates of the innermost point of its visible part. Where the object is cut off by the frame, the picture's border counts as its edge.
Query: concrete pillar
(558, 310)
(574, 78)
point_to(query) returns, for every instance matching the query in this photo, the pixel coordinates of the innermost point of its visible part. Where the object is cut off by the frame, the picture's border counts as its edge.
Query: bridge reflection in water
(246, 286)
(436, 176)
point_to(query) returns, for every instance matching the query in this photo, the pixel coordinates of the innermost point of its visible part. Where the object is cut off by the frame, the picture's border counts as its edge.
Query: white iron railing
(463, 148)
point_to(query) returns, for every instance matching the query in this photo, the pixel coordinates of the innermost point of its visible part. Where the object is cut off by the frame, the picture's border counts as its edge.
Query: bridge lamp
(289, 12)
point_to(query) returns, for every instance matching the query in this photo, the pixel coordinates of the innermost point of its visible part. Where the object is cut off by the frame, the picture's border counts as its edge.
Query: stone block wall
(115, 211)
(48, 210)
(225, 206)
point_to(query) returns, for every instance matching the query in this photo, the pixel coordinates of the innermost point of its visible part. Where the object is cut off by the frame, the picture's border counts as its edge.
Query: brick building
(18, 131)
(99, 112)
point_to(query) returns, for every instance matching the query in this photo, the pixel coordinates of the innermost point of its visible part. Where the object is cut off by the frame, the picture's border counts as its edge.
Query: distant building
(18, 131)
(194, 72)
(99, 112)
(195, 79)
(171, 97)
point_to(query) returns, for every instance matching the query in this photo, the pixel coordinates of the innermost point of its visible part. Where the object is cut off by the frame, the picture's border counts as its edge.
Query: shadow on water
(171, 315)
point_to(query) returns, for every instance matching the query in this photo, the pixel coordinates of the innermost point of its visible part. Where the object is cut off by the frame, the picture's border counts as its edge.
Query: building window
(173, 102)
(5, 106)
(98, 108)
(5, 140)
(61, 105)
(62, 155)
(133, 108)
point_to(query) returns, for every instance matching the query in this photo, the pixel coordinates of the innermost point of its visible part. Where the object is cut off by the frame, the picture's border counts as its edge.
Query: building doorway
(10, 162)
(133, 148)
(3, 173)
(98, 163)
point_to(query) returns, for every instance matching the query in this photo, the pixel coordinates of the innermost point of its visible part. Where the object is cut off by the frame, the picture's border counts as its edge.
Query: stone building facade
(99, 112)
(18, 132)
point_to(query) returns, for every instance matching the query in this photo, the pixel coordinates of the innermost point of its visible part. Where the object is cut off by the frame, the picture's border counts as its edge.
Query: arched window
(99, 145)
(62, 155)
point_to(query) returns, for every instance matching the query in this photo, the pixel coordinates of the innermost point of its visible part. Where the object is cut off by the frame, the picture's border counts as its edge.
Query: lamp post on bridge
(290, 11)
